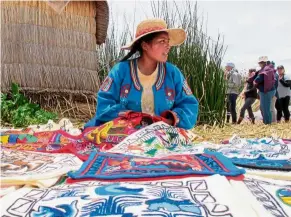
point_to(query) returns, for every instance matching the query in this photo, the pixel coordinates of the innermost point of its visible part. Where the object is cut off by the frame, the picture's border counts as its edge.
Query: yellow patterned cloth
(147, 97)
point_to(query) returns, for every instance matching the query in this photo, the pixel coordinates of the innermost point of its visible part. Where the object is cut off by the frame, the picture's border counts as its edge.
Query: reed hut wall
(49, 54)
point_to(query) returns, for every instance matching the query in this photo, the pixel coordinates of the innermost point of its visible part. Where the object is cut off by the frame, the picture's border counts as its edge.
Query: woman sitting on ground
(148, 83)
(250, 95)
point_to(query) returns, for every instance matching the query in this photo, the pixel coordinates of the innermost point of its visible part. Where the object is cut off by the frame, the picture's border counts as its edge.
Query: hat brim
(177, 36)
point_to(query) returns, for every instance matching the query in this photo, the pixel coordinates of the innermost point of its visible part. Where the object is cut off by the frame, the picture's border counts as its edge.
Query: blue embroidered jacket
(121, 91)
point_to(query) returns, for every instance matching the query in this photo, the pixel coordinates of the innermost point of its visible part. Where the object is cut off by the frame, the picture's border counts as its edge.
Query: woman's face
(280, 71)
(262, 64)
(251, 73)
(159, 48)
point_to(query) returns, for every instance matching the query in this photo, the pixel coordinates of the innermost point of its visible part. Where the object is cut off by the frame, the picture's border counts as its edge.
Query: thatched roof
(49, 52)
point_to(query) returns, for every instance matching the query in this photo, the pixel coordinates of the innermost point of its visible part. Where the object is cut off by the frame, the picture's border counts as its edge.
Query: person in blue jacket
(149, 83)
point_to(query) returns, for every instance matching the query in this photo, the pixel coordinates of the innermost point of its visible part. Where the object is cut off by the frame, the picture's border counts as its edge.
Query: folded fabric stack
(136, 165)
(265, 153)
(266, 157)
(37, 169)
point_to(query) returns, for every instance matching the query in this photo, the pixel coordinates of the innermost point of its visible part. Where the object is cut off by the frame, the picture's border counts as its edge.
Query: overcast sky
(250, 28)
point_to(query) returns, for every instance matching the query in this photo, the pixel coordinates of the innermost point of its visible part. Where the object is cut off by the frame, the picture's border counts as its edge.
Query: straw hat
(263, 59)
(177, 36)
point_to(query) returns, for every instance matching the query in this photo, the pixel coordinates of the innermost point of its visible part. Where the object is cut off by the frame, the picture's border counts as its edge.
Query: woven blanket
(40, 169)
(52, 142)
(157, 140)
(190, 197)
(118, 166)
(264, 153)
(99, 138)
(268, 197)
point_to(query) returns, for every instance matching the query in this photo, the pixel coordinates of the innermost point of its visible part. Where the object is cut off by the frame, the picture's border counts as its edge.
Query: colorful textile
(59, 141)
(73, 181)
(100, 138)
(117, 166)
(264, 153)
(157, 140)
(57, 137)
(125, 93)
(40, 169)
(185, 197)
(115, 131)
(267, 197)
(49, 142)
(80, 149)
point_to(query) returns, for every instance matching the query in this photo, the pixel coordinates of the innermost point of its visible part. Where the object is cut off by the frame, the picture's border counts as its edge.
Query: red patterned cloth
(99, 138)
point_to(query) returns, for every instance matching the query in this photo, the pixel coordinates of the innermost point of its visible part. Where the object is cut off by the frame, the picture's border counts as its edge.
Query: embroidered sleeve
(185, 107)
(106, 85)
(108, 105)
(186, 88)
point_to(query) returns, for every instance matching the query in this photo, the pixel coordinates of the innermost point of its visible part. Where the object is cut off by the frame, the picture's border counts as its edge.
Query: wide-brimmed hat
(263, 59)
(177, 35)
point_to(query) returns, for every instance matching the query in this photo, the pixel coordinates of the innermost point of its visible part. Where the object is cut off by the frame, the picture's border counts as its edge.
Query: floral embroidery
(170, 93)
(124, 91)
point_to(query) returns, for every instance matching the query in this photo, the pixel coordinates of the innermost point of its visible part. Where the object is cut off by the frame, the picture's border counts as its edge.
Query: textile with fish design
(118, 166)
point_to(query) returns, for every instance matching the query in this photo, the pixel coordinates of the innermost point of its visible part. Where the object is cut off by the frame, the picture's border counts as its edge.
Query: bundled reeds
(52, 55)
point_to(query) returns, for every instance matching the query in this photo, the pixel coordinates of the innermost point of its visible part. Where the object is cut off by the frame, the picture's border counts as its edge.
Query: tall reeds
(199, 58)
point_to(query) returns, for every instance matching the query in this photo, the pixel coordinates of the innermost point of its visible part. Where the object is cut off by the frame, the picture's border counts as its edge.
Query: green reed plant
(199, 58)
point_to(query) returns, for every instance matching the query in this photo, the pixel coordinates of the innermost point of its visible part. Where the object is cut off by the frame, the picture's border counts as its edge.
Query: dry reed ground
(245, 130)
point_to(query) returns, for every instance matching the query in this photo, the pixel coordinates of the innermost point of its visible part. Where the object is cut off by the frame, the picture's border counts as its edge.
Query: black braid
(133, 50)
